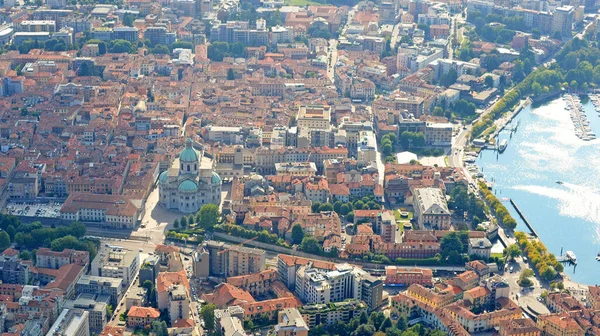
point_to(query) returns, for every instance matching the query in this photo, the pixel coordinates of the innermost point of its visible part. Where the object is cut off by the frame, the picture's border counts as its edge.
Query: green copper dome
(162, 177)
(188, 154)
(215, 179)
(188, 186)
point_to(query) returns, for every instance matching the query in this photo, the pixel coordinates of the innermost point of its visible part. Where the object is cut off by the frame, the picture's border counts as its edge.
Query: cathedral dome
(162, 178)
(188, 186)
(188, 154)
(215, 179)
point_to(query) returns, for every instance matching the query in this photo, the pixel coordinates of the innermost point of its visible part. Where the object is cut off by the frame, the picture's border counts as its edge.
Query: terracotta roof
(244, 280)
(478, 292)
(67, 274)
(226, 294)
(115, 205)
(10, 252)
(142, 312)
(164, 280)
(166, 248)
(299, 261)
(112, 331)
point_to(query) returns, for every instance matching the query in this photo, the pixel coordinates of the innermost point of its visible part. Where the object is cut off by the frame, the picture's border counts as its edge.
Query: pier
(510, 118)
(523, 218)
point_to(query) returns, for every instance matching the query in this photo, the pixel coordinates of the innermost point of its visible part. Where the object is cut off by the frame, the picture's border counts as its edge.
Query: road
(332, 59)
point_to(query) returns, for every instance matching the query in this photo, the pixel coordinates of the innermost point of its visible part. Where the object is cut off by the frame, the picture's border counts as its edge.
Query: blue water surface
(543, 150)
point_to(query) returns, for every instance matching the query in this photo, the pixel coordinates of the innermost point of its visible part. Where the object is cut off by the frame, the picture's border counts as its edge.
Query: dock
(507, 121)
(523, 218)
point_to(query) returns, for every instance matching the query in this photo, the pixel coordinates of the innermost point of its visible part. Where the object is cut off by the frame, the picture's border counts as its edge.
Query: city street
(333, 55)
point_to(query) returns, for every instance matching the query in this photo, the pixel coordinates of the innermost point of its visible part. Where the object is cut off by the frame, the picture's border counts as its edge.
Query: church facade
(189, 183)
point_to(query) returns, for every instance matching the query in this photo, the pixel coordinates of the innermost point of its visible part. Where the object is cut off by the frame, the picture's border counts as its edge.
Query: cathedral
(189, 183)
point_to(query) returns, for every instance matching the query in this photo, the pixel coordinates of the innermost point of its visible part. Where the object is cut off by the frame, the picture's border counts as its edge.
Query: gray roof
(432, 201)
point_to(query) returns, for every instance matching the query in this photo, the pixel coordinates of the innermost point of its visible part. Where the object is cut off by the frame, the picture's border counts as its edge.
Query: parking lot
(33, 209)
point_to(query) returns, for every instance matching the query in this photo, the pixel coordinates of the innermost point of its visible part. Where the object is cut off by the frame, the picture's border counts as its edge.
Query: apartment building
(72, 322)
(314, 117)
(173, 291)
(562, 20)
(406, 276)
(156, 35)
(288, 266)
(290, 323)
(256, 284)
(229, 135)
(130, 34)
(519, 327)
(14, 272)
(229, 321)
(47, 258)
(36, 26)
(95, 305)
(116, 262)
(329, 314)
(233, 260)
(314, 286)
(89, 284)
(302, 169)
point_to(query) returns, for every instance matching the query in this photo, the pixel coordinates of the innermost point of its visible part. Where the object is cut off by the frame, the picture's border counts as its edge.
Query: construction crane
(240, 244)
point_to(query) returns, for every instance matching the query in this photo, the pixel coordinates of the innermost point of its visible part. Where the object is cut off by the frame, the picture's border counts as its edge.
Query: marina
(545, 170)
(579, 117)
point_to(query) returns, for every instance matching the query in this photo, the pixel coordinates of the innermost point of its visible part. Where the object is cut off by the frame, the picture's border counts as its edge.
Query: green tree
(4, 240)
(344, 209)
(450, 242)
(25, 255)
(449, 78)
(208, 315)
(350, 216)
(101, 48)
(77, 229)
(159, 328)
(297, 234)
(326, 207)
(160, 49)
(191, 219)
(209, 216)
(337, 206)
(385, 325)
(176, 223)
(364, 318)
(310, 244)
(11, 232)
(512, 251)
(109, 310)
(402, 323)
(230, 74)
(148, 285)
(315, 207)
(128, 20)
(489, 81)
(119, 46)
(85, 70)
(183, 222)
(364, 330)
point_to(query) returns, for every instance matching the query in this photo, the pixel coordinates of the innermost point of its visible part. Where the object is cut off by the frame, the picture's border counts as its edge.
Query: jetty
(523, 218)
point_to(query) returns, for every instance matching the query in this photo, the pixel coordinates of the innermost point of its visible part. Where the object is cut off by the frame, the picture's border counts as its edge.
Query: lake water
(542, 151)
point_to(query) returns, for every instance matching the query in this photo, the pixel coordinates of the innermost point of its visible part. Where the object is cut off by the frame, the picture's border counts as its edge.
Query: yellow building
(559, 325)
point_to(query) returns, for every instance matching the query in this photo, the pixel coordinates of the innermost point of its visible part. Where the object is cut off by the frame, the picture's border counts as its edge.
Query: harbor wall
(523, 218)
